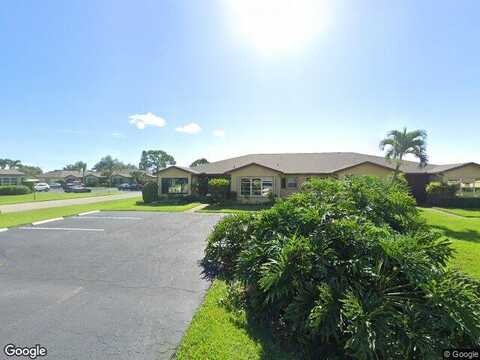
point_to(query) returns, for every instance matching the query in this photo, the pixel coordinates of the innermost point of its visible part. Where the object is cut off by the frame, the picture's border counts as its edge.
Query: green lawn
(27, 217)
(234, 208)
(219, 333)
(462, 212)
(45, 196)
(465, 235)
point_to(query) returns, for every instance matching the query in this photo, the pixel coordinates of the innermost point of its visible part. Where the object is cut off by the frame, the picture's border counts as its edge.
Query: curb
(46, 221)
(3, 229)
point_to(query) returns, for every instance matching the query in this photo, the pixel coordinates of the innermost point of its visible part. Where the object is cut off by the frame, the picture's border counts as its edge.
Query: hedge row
(347, 270)
(459, 202)
(14, 190)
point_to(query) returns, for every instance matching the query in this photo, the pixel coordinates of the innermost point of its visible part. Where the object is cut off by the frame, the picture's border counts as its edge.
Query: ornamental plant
(347, 269)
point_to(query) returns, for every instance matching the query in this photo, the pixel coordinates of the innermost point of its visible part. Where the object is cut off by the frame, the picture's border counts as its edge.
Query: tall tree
(3, 163)
(107, 166)
(143, 161)
(30, 170)
(155, 160)
(13, 164)
(199, 162)
(400, 143)
(138, 176)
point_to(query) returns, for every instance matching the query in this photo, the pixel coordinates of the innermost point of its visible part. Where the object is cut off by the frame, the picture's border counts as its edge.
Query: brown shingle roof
(11, 172)
(313, 163)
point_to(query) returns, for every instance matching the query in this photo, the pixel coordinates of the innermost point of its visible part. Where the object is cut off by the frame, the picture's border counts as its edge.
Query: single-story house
(91, 178)
(68, 176)
(122, 177)
(253, 176)
(11, 177)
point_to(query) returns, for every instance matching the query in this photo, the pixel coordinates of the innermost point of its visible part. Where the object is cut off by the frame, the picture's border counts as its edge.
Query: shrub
(150, 192)
(218, 188)
(348, 270)
(439, 193)
(14, 190)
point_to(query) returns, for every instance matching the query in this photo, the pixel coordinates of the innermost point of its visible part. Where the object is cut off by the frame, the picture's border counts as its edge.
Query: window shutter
(284, 183)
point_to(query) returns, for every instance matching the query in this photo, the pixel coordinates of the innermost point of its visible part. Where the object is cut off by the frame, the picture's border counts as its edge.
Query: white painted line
(69, 295)
(62, 229)
(3, 229)
(46, 221)
(89, 212)
(110, 217)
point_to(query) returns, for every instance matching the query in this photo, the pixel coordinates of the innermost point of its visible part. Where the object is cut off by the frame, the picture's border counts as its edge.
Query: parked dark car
(77, 189)
(130, 187)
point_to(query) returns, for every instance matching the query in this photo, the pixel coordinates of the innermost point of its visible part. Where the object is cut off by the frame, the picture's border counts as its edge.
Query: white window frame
(289, 182)
(263, 180)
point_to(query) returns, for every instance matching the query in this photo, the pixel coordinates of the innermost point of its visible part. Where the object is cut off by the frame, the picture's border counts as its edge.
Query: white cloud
(117, 135)
(191, 128)
(142, 120)
(218, 132)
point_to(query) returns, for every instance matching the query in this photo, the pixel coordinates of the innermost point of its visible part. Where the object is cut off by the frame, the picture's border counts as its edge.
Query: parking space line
(89, 212)
(57, 228)
(110, 217)
(46, 221)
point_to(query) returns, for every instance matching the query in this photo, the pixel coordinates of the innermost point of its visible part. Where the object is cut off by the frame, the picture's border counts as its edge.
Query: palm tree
(3, 163)
(402, 142)
(13, 164)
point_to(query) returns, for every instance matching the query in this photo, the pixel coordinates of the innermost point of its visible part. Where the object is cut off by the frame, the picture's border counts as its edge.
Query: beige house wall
(467, 172)
(254, 171)
(301, 178)
(175, 173)
(365, 169)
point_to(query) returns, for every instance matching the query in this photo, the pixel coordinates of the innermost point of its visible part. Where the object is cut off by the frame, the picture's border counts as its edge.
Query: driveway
(110, 285)
(67, 202)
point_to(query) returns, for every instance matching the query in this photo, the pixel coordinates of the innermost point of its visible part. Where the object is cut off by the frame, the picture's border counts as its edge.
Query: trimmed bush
(14, 190)
(218, 188)
(150, 192)
(348, 270)
(440, 193)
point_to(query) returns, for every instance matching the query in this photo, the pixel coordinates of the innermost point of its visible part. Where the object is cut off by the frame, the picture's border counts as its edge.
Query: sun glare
(278, 25)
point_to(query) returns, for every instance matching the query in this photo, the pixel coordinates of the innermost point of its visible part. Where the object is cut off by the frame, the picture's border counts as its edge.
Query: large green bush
(150, 192)
(440, 193)
(14, 190)
(348, 270)
(218, 188)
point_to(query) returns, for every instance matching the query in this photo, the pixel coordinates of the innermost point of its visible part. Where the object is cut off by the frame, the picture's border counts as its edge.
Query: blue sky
(74, 73)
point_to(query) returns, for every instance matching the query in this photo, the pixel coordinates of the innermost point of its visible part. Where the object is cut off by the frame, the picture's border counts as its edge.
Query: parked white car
(41, 187)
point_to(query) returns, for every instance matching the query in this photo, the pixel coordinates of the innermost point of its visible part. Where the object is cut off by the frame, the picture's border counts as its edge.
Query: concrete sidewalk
(58, 203)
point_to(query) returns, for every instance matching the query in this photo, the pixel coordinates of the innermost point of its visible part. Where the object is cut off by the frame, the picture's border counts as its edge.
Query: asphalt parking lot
(109, 285)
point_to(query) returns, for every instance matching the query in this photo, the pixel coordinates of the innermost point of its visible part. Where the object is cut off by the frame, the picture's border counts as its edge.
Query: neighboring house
(252, 177)
(68, 176)
(91, 178)
(122, 177)
(11, 177)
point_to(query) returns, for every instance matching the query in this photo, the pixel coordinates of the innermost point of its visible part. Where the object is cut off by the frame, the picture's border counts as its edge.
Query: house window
(256, 186)
(283, 183)
(245, 187)
(8, 181)
(174, 185)
(292, 182)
